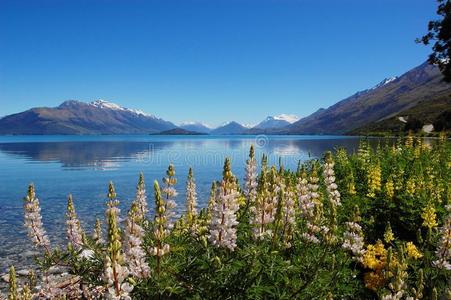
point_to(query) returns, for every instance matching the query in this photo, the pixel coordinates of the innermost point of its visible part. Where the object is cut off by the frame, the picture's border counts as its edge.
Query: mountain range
(364, 110)
(420, 94)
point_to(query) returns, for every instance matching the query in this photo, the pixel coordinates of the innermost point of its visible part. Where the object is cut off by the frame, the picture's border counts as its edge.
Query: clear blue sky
(208, 60)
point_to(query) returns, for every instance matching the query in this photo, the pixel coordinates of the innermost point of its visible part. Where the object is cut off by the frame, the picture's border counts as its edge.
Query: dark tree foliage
(443, 121)
(440, 33)
(413, 124)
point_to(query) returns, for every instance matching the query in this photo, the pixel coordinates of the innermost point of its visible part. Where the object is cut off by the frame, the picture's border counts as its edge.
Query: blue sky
(207, 60)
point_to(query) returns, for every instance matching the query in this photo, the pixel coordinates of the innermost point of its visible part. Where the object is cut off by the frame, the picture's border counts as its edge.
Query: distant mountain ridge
(417, 94)
(276, 121)
(230, 128)
(76, 117)
(195, 126)
(387, 99)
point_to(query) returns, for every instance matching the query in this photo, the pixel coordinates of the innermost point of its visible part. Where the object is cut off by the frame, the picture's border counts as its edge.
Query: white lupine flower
(305, 204)
(275, 185)
(97, 235)
(288, 216)
(134, 253)
(313, 188)
(191, 198)
(353, 240)
(169, 193)
(115, 272)
(223, 220)
(329, 179)
(262, 210)
(162, 228)
(33, 220)
(250, 177)
(311, 207)
(74, 231)
(443, 252)
(141, 198)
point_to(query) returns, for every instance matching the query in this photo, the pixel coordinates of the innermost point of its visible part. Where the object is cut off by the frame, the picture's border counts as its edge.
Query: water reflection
(62, 165)
(105, 155)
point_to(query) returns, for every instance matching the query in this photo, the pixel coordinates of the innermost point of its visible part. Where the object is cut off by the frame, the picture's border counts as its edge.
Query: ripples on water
(83, 166)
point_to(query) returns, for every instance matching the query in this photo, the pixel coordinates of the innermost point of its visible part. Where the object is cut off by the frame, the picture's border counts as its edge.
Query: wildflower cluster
(370, 225)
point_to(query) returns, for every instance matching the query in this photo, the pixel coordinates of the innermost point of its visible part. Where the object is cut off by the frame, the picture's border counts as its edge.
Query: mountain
(277, 121)
(76, 117)
(435, 112)
(387, 99)
(195, 126)
(230, 128)
(179, 131)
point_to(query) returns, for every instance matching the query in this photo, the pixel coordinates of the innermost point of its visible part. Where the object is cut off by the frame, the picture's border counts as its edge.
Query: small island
(179, 131)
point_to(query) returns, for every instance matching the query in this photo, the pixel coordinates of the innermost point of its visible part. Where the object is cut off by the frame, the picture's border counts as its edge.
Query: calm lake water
(84, 165)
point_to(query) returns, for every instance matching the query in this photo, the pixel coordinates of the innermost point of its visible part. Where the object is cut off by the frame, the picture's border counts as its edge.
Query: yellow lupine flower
(410, 186)
(389, 188)
(388, 235)
(412, 251)
(429, 217)
(374, 180)
(375, 255)
(374, 280)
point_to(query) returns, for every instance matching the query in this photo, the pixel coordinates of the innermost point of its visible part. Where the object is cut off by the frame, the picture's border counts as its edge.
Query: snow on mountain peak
(113, 106)
(286, 117)
(195, 123)
(384, 82)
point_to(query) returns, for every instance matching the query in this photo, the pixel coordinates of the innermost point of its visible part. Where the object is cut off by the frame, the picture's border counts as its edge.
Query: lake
(84, 165)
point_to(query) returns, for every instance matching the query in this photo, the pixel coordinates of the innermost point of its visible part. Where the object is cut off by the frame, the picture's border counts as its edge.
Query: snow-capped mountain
(77, 117)
(384, 82)
(278, 121)
(109, 105)
(230, 128)
(196, 126)
(372, 109)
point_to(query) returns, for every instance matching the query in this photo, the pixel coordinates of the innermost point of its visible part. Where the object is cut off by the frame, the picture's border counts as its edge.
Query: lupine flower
(306, 206)
(262, 209)
(329, 179)
(389, 188)
(191, 198)
(388, 235)
(74, 231)
(97, 235)
(288, 215)
(429, 217)
(398, 285)
(222, 232)
(134, 253)
(410, 186)
(314, 206)
(26, 293)
(12, 290)
(141, 198)
(443, 252)
(374, 180)
(412, 251)
(170, 193)
(250, 177)
(115, 272)
(275, 185)
(353, 237)
(33, 220)
(375, 259)
(211, 198)
(161, 226)
(409, 140)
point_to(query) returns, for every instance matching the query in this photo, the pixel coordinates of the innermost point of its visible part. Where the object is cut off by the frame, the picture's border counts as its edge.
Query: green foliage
(385, 189)
(440, 32)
